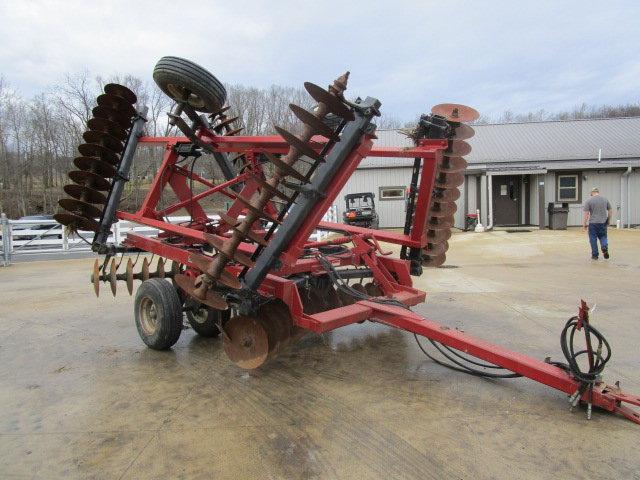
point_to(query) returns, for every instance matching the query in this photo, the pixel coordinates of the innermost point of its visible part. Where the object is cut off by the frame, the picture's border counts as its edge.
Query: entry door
(506, 199)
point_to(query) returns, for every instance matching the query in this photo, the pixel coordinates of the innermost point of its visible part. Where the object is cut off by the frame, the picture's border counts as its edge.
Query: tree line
(39, 136)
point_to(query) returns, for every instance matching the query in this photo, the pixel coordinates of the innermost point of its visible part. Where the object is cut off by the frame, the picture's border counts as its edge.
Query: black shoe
(605, 252)
(594, 257)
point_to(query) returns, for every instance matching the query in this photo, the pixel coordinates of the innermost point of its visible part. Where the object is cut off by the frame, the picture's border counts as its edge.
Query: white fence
(34, 237)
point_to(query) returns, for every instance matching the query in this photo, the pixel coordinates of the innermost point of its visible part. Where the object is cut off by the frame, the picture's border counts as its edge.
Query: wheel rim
(201, 315)
(148, 316)
(178, 92)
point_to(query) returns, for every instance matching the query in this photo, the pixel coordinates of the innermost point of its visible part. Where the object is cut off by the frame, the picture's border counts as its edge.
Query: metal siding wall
(533, 198)
(609, 185)
(483, 200)
(391, 212)
(634, 198)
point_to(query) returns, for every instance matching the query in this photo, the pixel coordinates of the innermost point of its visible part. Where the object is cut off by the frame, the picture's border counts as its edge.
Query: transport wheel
(183, 80)
(204, 321)
(158, 313)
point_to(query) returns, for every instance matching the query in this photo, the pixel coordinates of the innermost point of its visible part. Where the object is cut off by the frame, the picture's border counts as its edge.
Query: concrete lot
(81, 397)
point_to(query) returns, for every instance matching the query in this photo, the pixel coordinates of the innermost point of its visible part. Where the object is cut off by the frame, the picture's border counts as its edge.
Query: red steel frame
(392, 275)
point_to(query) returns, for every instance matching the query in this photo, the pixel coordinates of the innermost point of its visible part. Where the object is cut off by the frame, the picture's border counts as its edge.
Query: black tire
(205, 321)
(175, 76)
(158, 313)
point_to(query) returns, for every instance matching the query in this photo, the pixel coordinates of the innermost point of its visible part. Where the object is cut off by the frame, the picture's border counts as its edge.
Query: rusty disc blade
(107, 126)
(464, 132)
(211, 299)
(95, 165)
(449, 180)
(313, 302)
(233, 132)
(113, 276)
(372, 289)
(100, 151)
(76, 222)
(300, 145)
(442, 209)
(273, 190)
(120, 91)
(122, 119)
(276, 319)
(457, 148)
(446, 195)
(227, 220)
(436, 249)
(452, 165)
(316, 124)
(345, 298)
(116, 102)
(218, 244)
(333, 103)
(438, 236)
(104, 139)
(230, 280)
(359, 287)
(78, 207)
(85, 194)
(95, 277)
(284, 168)
(219, 111)
(90, 179)
(246, 342)
(254, 237)
(454, 112)
(332, 298)
(145, 269)
(130, 276)
(203, 262)
(440, 223)
(160, 268)
(429, 261)
(224, 123)
(249, 206)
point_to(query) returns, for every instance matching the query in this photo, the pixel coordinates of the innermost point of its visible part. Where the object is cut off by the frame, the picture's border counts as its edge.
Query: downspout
(628, 212)
(489, 202)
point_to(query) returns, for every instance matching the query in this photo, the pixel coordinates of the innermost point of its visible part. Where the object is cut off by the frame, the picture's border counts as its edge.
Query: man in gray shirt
(597, 213)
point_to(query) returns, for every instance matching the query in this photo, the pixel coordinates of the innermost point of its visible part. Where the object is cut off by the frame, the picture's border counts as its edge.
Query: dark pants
(597, 231)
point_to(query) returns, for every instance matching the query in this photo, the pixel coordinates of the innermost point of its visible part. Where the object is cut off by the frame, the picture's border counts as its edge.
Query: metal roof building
(516, 169)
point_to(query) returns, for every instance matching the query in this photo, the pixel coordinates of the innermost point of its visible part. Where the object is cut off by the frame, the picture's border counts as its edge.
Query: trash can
(471, 220)
(558, 214)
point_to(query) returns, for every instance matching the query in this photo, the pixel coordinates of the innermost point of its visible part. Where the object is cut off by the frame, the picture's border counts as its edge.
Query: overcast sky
(493, 55)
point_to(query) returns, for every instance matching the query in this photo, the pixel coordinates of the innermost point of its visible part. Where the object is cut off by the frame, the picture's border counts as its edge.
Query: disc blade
(428, 261)
(442, 209)
(120, 91)
(274, 191)
(440, 223)
(256, 211)
(457, 148)
(246, 343)
(85, 193)
(100, 151)
(107, 126)
(455, 112)
(317, 125)
(211, 299)
(241, 258)
(464, 132)
(76, 222)
(447, 195)
(436, 249)
(220, 111)
(116, 102)
(95, 165)
(202, 263)
(130, 276)
(160, 268)
(333, 103)
(89, 179)
(80, 208)
(145, 269)
(452, 165)
(233, 132)
(225, 123)
(372, 289)
(437, 236)
(228, 219)
(449, 180)
(95, 277)
(104, 139)
(113, 276)
(284, 168)
(123, 120)
(300, 145)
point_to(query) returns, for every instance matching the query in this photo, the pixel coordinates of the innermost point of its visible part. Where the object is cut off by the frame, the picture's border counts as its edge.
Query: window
(392, 193)
(568, 188)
